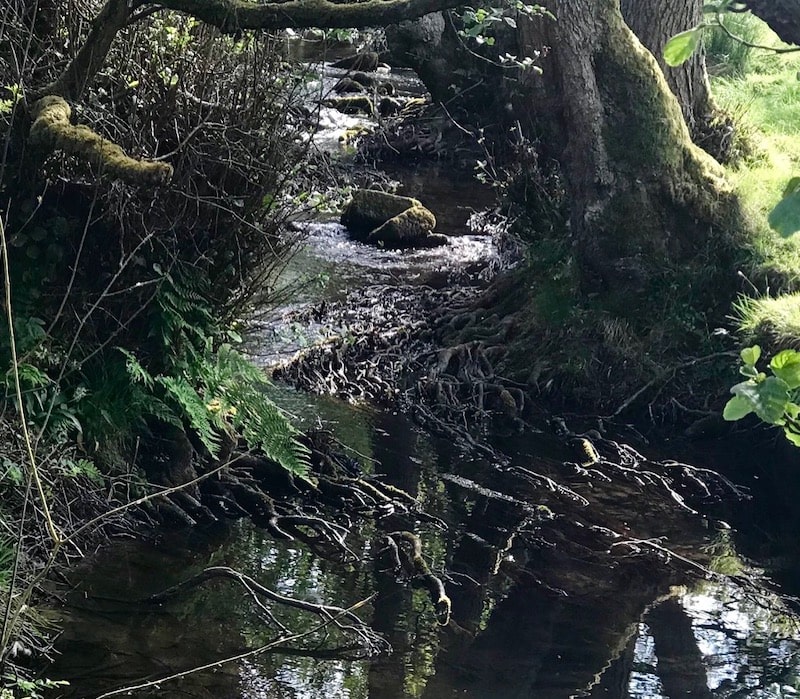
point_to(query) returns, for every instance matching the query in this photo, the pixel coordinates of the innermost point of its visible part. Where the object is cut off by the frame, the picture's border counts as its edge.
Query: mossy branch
(52, 130)
(234, 15)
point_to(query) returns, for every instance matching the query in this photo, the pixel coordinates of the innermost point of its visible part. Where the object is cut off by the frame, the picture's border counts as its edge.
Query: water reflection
(534, 615)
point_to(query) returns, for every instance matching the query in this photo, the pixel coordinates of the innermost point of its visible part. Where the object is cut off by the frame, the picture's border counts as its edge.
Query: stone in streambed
(390, 220)
(409, 229)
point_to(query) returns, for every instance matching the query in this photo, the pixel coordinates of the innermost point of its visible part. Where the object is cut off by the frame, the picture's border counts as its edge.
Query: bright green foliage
(681, 46)
(224, 392)
(773, 398)
(478, 23)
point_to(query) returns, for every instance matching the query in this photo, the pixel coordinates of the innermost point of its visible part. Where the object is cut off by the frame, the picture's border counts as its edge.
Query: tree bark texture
(654, 22)
(642, 195)
(234, 15)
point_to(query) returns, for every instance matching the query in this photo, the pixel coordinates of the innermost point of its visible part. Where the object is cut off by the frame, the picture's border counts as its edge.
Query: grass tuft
(773, 320)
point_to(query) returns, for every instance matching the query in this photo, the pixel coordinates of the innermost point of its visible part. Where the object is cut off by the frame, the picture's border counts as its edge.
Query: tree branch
(53, 131)
(234, 15)
(112, 18)
(782, 16)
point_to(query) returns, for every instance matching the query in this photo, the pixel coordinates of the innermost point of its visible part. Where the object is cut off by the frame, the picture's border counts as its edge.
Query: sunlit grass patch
(772, 319)
(762, 95)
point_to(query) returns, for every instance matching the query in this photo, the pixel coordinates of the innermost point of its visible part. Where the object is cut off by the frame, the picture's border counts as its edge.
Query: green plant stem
(51, 527)
(751, 45)
(7, 626)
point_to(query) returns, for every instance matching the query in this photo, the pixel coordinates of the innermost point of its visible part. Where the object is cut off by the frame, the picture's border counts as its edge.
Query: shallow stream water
(543, 622)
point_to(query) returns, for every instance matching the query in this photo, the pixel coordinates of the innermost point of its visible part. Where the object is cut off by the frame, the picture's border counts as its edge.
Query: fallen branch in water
(272, 645)
(371, 642)
(415, 564)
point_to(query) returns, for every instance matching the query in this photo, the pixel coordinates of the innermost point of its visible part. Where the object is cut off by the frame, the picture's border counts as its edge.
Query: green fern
(240, 387)
(200, 417)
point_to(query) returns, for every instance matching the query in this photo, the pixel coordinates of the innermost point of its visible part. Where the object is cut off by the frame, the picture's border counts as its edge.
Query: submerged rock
(390, 220)
(367, 61)
(348, 85)
(359, 104)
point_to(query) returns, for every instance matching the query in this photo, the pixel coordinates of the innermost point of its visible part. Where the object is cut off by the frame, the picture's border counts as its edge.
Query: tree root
(411, 561)
(369, 641)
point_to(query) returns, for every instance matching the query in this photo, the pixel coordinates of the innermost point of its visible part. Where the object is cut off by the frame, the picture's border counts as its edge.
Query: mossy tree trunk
(642, 196)
(654, 22)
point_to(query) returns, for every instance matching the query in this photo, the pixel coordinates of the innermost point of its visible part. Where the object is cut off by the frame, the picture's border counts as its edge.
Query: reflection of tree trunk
(393, 444)
(654, 22)
(680, 663)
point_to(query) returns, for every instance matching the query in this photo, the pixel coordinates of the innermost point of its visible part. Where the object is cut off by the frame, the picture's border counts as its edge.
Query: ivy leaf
(785, 217)
(736, 408)
(792, 436)
(750, 355)
(767, 399)
(681, 46)
(786, 365)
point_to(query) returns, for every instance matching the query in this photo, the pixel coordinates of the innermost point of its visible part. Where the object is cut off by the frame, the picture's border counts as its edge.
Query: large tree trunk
(643, 197)
(654, 22)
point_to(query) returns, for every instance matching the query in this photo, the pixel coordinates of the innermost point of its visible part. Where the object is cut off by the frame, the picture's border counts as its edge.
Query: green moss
(52, 130)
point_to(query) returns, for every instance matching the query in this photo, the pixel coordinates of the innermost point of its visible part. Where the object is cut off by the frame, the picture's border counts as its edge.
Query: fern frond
(200, 418)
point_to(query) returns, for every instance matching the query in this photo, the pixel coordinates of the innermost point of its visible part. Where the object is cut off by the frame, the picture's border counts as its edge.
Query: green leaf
(767, 399)
(681, 46)
(750, 355)
(736, 408)
(786, 365)
(785, 217)
(793, 437)
(748, 370)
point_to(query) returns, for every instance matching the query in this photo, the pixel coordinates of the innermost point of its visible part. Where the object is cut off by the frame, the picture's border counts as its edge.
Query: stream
(539, 609)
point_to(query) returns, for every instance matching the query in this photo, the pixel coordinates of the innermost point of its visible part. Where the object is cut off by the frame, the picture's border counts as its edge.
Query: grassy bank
(760, 90)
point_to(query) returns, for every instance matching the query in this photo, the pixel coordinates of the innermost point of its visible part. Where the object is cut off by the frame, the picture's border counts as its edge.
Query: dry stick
(51, 527)
(241, 656)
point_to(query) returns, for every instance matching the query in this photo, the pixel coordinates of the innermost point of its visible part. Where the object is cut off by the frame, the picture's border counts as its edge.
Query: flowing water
(550, 620)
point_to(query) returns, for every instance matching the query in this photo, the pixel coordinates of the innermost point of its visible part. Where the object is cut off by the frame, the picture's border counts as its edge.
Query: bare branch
(81, 70)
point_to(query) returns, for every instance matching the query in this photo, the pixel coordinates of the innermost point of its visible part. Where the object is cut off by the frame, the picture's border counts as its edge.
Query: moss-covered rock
(409, 229)
(390, 220)
(370, 208)
(367, 61)
(357, 104)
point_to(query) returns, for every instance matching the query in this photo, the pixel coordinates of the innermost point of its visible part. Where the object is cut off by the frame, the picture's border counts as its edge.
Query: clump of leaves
(772, 397)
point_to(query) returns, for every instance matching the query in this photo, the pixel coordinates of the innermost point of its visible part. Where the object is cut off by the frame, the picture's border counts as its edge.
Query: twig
(234, 658)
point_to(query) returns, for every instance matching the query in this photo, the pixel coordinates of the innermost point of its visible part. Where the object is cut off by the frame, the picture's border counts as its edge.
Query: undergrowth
(126, 301)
